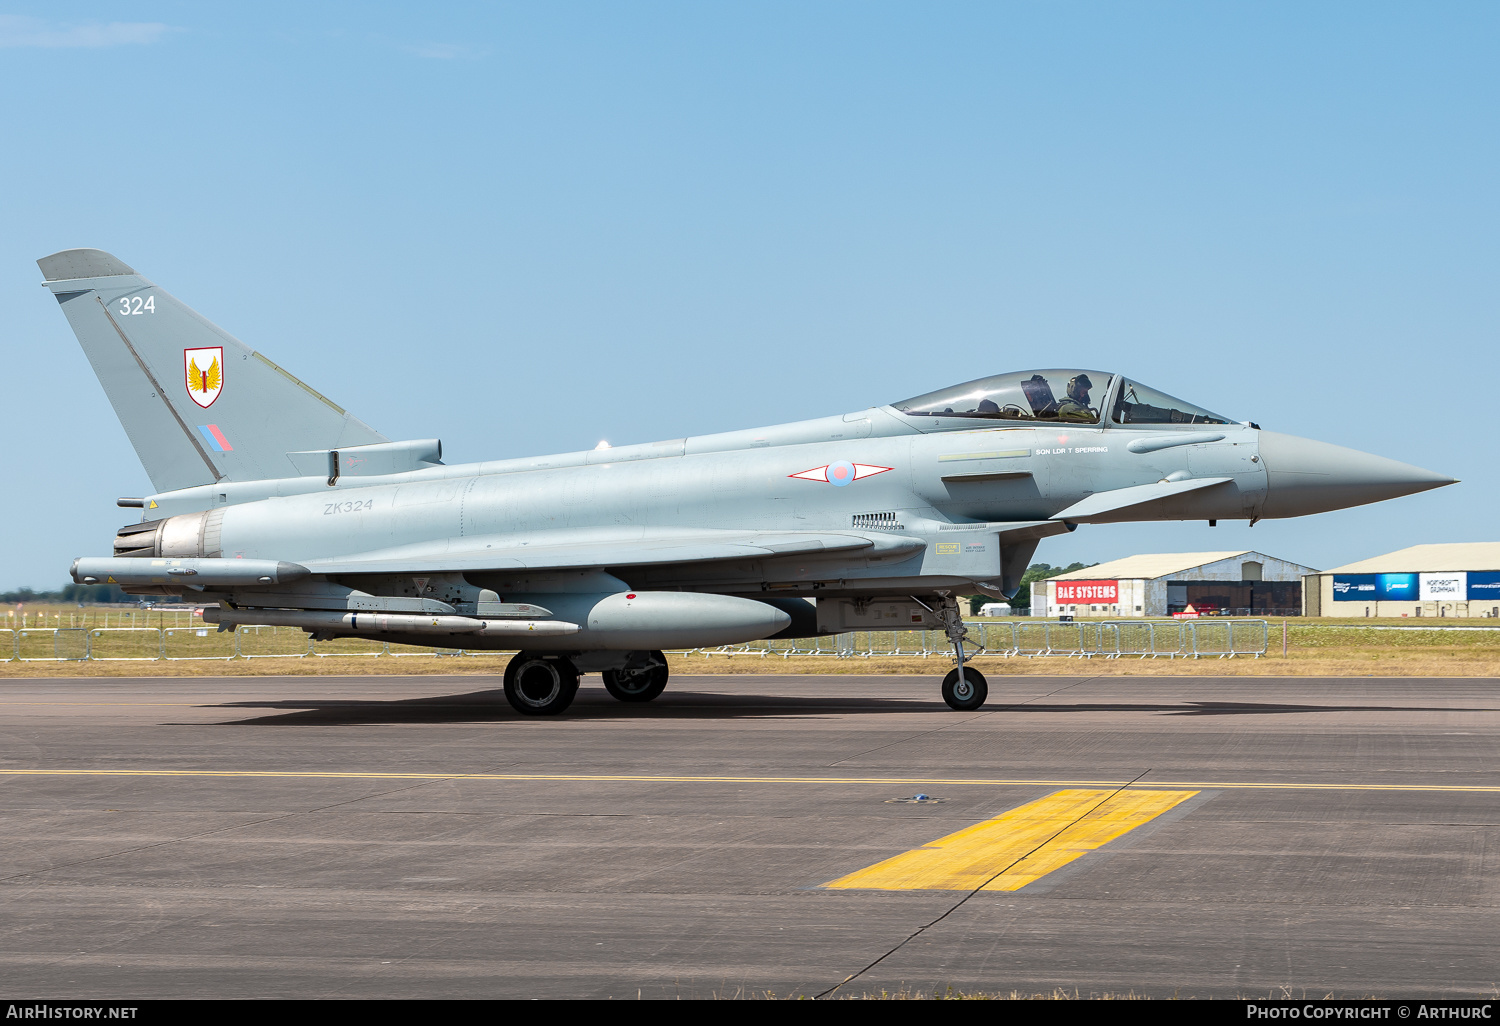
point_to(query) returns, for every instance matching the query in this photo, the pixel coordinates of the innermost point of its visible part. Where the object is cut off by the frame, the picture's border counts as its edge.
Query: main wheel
(638, 683)
(968, 693)
(535, 686)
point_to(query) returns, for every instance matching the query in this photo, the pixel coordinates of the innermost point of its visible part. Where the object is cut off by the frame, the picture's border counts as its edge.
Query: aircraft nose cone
(1304, 476)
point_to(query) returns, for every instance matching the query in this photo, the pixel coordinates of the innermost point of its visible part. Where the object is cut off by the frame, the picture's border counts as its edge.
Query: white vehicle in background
(995, 609)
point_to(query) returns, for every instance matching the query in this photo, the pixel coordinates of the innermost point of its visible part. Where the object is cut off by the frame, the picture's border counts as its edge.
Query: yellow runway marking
(1017, 847)
(686, 778)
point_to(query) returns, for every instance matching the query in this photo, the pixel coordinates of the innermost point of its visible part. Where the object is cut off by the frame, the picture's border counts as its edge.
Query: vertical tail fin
(199, 405)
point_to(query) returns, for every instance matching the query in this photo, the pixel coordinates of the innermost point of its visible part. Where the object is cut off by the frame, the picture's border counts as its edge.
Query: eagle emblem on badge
(205, 374)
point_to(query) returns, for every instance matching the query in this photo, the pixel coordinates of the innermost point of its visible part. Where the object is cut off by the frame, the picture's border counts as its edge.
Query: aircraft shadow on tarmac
(489, 706)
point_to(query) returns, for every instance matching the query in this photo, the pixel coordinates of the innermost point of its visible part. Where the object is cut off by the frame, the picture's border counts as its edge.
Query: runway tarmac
(413, 837)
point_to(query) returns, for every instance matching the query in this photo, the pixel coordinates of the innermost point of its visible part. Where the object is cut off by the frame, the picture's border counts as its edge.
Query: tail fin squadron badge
(204, 369)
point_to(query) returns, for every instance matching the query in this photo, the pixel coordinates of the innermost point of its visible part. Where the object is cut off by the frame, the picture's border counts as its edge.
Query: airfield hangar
(1244, 583)
(1461, 579)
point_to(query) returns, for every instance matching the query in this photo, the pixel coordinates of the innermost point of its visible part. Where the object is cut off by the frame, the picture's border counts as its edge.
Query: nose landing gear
(964, 688)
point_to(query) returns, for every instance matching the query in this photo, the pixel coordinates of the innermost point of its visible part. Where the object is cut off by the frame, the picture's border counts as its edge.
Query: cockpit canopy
(1137, 404)
(1063, 396)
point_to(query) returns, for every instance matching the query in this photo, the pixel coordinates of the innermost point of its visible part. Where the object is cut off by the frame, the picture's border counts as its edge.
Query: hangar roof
(1435, 558)
(1149, 566)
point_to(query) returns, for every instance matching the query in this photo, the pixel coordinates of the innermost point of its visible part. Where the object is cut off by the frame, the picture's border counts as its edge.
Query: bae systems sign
(1076, 593)
(1454, 586)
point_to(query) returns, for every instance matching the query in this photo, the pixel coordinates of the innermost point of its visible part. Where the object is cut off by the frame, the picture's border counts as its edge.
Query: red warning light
(630, 595)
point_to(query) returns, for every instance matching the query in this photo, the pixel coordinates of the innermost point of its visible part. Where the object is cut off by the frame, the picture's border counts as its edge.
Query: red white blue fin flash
(840, 473)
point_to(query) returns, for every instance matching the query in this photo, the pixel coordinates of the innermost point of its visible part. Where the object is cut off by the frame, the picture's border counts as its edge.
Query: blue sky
(527, 227)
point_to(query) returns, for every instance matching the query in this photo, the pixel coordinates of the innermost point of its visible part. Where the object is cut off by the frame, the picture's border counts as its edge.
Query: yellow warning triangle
(111, 580)
(152, 504)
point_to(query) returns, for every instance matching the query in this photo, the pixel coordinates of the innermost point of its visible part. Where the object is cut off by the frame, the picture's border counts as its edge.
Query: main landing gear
(639, 680)
(965, 687)
(545, 685)
(540, 685)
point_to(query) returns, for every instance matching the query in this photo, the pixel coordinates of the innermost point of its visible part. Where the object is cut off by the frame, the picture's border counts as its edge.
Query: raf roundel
(841, 473)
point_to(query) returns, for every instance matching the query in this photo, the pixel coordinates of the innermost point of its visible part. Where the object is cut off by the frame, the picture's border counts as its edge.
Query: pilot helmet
(1080, 379)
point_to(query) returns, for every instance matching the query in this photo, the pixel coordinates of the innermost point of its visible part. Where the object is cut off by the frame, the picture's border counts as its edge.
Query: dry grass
(1322, 648)
(1312, 663)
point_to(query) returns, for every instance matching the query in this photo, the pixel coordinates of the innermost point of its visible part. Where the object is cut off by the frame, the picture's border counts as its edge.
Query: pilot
(1076, 404)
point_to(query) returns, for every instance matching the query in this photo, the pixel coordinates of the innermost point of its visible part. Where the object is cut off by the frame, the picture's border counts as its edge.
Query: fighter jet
(284, 509)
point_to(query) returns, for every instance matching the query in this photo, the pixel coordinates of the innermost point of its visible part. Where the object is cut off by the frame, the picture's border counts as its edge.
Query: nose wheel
(965, 688)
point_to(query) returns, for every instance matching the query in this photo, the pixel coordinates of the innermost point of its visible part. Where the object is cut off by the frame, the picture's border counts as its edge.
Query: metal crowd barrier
(1087, 639)
(1084, 639)
(181, 644)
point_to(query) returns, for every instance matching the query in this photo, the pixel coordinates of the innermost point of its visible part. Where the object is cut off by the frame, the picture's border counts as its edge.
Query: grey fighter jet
(275, 503)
